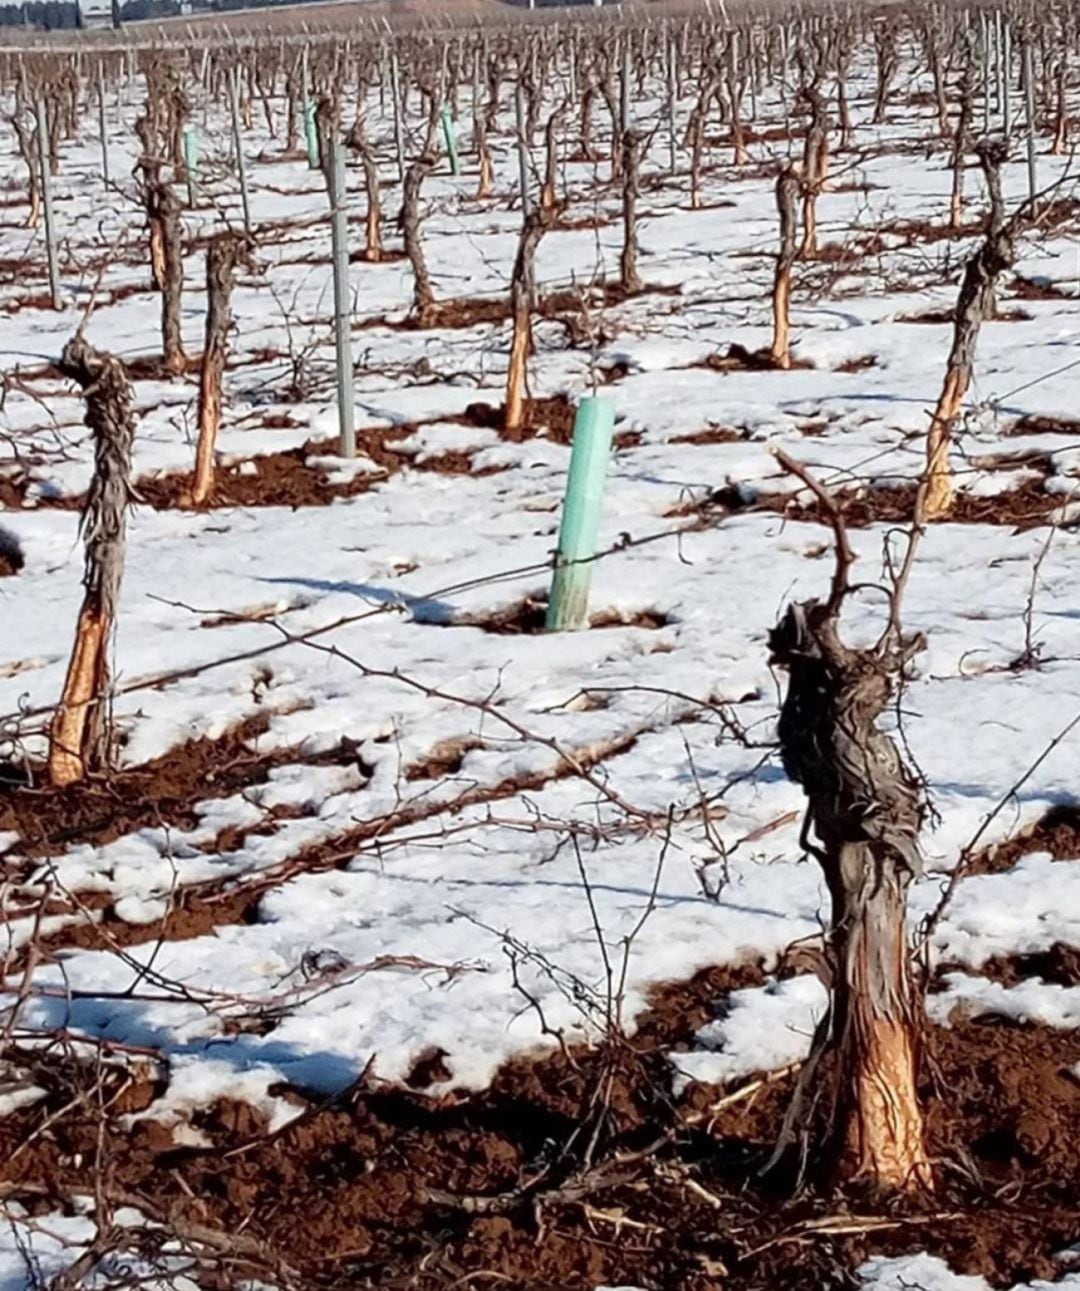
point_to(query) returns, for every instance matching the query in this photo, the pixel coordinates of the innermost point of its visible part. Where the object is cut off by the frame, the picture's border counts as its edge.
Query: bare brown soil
(289, 479)
(550, 418)
(1032, 289)
(1057, 833)
(475, 311)
(1059, 966)
(1044, 426)
(1024, 507)
(739, 359)
(162, 791)
(711, 435)
(526, 618)
(577, 1168)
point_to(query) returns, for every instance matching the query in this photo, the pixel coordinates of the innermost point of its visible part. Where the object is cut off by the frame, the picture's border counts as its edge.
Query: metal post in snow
(191, 164)
(1007, 75)
(1029, 111)
(311, 135)
(523, 150)
(339, 236)
(102, 128)
(672, 95)
(42, 114)
(451, 141)
(238, 145)
(568, 604)
(984, 67)
(624, 86)
(311, 130)
(395, 87)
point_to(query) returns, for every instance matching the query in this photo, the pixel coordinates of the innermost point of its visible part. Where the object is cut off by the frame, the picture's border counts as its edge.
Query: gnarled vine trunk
(864, 810)
(79, 735)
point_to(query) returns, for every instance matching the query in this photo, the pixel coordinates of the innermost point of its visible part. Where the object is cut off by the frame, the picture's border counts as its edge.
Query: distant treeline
(52, 15)
(59, 15)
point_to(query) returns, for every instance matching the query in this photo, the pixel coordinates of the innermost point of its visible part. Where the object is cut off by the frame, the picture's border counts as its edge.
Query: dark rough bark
(423, 292)
(787, 192)
(976, 304)
(221, 259)
(522, 302)
(79, 737)
(888, 60)
(960, 140)
(163, 211)
(815, 168)
(633, 144)
(864, 810)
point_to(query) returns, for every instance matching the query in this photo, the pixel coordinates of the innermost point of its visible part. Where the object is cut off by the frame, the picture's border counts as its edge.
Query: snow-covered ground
(598, 793)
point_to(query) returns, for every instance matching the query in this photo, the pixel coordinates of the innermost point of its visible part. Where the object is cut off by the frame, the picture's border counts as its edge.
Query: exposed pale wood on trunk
(221, 259)
(863, 816)
(976, 304)
(522, 301)
(79, 735)
(787, 191)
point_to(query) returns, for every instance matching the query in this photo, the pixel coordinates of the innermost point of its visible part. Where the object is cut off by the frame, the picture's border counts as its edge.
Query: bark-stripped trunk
(549, 191)
(522, 300)
(27, 140)
(864, 809)
(629, 278)
(787, 192)
(221, 258)
(815, 170)
(423, 292)
(373, 249)
(79, 736)
(976, 304)
(1061, 112)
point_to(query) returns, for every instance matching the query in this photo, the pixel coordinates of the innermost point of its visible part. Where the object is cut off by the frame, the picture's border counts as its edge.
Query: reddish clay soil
(475, 311)
(166, 792)
(1024, 507)
(289, 479)
(1031, 289)
(1059, 966)
(1044, 426)
(711, 435)
(163, 791)
(739, 359)
(576, 1169)
(1057, 833)
(527, 617)
(551, 418)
